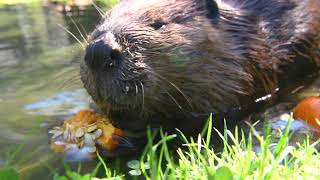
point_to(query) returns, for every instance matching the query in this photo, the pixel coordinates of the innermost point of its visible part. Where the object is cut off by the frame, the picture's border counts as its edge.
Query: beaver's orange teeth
(85, 129)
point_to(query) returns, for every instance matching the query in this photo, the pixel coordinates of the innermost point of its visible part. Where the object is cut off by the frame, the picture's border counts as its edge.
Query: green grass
(238, 159)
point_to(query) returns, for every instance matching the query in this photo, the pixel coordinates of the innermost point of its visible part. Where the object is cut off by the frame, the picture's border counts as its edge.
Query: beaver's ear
(210, 7)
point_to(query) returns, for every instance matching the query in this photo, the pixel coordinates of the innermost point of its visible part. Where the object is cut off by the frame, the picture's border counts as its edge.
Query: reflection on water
(36, 58)
(64, 103)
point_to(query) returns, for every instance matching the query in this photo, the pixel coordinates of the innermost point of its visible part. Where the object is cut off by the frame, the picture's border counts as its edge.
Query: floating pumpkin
(309, 111)
(85, 130)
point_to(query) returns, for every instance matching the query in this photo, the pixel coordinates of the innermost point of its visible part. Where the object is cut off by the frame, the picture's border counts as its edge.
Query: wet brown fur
(196, 61)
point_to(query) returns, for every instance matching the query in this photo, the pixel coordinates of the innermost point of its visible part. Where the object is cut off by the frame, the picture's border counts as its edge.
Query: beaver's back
(283, 38)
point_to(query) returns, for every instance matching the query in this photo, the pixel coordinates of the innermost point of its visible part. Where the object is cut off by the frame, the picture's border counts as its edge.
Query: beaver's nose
(100, 54)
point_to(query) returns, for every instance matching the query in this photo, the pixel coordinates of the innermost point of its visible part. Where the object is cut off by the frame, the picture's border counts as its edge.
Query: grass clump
(76, 175)
(238, 159)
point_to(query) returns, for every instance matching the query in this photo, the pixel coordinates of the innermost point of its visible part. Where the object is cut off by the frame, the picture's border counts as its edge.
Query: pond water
(39, 83)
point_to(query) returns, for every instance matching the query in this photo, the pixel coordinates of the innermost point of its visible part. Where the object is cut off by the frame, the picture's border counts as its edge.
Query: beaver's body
(157, 62)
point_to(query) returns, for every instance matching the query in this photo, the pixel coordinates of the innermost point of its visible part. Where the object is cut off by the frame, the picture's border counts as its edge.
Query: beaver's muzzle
(103, 52)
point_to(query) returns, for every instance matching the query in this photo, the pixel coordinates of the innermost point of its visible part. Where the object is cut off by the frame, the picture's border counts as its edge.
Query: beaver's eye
(157, 24)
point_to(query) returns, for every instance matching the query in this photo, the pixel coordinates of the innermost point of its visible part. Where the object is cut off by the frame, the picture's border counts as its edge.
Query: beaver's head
(162, 57)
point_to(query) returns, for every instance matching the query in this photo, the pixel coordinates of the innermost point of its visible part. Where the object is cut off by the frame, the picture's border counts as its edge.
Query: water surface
(39, 82)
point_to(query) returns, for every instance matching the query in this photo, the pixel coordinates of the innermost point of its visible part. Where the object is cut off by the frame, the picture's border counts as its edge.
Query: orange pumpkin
(309, 111)
(90, 119)
(86, 117)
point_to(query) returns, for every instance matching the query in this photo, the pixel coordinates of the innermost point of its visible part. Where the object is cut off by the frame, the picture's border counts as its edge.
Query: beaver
(169, 63)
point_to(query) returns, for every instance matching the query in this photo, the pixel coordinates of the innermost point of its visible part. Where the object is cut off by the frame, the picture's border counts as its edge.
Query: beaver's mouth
(123, 95)
(120, 88)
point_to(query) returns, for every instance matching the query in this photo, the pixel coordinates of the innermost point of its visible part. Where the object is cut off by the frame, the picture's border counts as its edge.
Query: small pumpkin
(85, 129)
(308, 110)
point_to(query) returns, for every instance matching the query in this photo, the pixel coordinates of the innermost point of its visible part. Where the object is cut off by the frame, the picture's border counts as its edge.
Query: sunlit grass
(198, 159)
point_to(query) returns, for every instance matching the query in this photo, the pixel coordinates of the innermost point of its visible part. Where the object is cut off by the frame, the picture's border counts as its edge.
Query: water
(37, 57)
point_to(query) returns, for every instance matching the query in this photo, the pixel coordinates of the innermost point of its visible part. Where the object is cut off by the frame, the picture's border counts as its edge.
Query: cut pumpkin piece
(308, 110)
(85, 130)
